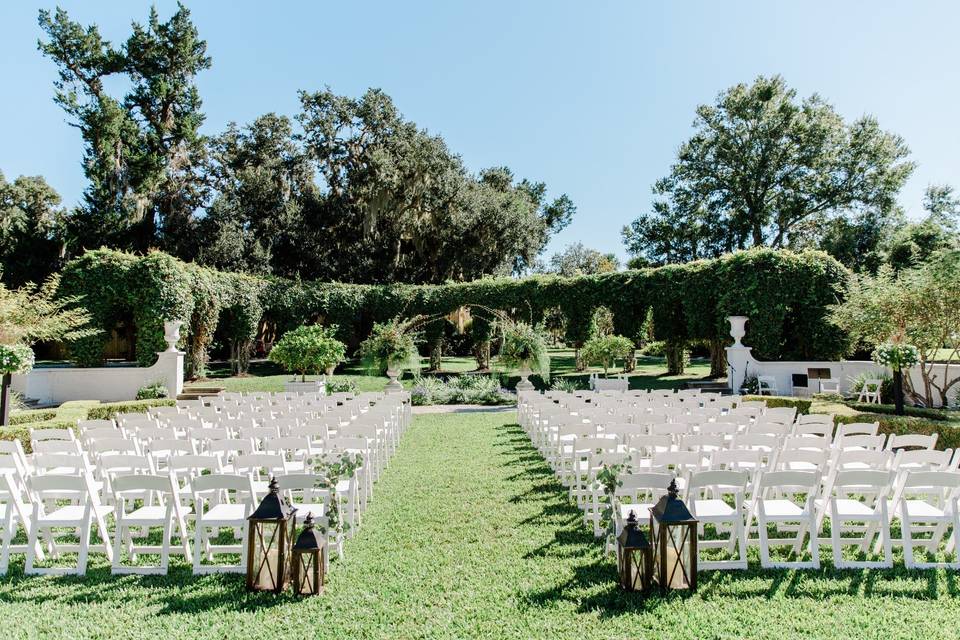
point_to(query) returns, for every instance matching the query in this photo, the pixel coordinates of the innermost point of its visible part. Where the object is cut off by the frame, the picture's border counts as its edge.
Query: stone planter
(394, 384)
(523, 384)
(171, 334)
(311, 386)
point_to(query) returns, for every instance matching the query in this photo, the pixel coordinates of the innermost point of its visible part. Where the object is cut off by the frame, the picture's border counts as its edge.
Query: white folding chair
(709, 494)
(870, 391)
(859, 496)
(133, 511)
(927, 502)
(767, 386)
(788, 497)
(220, 501)
(65, 502)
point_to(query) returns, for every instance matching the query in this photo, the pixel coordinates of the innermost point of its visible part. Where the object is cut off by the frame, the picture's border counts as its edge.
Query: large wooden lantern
(634, 557)
(308, 560)
(270, 531)
(674, 533)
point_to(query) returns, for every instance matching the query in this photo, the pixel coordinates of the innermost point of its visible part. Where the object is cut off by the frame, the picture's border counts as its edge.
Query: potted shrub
(14, 358)
(391, 348)
(308, 350)
(525, 348)
(604, 350)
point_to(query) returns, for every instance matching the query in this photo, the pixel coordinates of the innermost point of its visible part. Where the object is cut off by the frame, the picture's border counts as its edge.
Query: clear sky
(592, 98)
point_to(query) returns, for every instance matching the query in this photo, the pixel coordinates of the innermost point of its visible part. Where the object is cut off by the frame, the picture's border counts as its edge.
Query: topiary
(308, 349)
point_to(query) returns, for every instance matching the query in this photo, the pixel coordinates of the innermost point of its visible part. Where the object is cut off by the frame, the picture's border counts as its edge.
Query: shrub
(916, 412)
(568, 385)
(656, 349)
(465, 389)
(802, 405)
(107, 410)
(948, 436)
(604, 350)
(15, 358)
(341, 386)
(308, 349)
(32, 415)
(152, 391)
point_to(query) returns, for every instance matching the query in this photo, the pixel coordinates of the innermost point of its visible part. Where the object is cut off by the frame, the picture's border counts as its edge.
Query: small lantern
(308, 560)
(634, 557)
(270, 533)
(674, 533)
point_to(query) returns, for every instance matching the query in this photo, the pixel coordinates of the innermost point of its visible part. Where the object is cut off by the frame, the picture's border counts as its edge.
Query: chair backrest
(767, 382)
(60, 463)
(911, 441)
(758, 441)
(39, 435)
(170, 447)
(805, 481)
(113, 465)
(815, 418)
(784, 415)
(789, 459)
(648, 444)
(86, 425)
(138, 483)
(701, 442)
(762, 426)
(922, 459)
(858, 428)
(194, 464)
(861, 441)
(815, 429)
(719, 481)
(737, 459)
(873, 483)
(57, 446)
(718, 428)
(651, 484)
(260, 464)
(818, 443)
(862, 459)
(114, 445)
(229, 447)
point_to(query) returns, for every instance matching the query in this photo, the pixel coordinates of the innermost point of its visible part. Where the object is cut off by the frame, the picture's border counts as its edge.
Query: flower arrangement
(15, 358)
(392, 346)
(897, 356)
(332, 468)
(525, 347)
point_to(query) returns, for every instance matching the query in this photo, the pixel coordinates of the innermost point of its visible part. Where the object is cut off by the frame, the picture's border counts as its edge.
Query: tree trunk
(630, 362)
(718, 359)
(481, 351)
(898, 390)
(674, 353)
(577, 361)
(5, 401)
(436, 355)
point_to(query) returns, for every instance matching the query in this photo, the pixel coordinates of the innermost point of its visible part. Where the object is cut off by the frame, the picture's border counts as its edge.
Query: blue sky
(592, 98)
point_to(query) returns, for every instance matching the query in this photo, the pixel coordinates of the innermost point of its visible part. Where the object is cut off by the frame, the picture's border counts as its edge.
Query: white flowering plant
(897, 356)
(15, 358)
(331, 468)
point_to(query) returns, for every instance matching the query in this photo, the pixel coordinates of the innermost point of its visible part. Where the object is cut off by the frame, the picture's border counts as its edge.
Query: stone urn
(523, 384)
(171, 334)
(393, 373)
(738, 329)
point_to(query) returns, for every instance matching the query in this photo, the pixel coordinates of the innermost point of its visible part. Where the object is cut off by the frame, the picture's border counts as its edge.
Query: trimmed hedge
(948, 436)
(32, 415)
(66, 416)
(802, 405)
(785, 294)
(916, 412)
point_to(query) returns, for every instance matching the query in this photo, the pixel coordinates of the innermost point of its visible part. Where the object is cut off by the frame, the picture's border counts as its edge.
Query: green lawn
(266, 376)
(469, 536)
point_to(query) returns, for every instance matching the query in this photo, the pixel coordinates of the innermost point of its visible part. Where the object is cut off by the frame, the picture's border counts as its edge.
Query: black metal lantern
(634, 557)
(270, 531)
(674, 532)
(308, 560)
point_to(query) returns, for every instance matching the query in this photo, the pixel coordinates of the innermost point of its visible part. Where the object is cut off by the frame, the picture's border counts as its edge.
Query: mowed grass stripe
(470, 536)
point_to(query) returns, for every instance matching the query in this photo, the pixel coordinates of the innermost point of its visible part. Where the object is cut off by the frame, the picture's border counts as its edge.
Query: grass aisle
(469, 537)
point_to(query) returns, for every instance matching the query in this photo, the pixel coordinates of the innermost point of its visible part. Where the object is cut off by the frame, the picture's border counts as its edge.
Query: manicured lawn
(266, 376)
(469, 536)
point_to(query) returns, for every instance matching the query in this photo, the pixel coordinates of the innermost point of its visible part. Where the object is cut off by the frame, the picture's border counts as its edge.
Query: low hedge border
(802, 405)
(32, 415)
(915, 412)
(67, 414)
(948, 437)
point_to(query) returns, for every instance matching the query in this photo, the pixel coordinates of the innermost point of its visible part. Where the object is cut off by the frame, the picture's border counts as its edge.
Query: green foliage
(766, 169)
(462, 389)
(309, 349)
(31, 229)
(802, 405)
(525, 347)
(152, 391)
(605, 350)
(915, 412)
(337, 385)
(785, 295)
(32, 415)
(578, 260)
(565, 384)
(392, 346)
(31, 313)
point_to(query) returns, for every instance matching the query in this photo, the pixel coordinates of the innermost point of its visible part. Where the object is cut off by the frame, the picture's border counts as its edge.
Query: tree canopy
(764, 168)
(578, 260)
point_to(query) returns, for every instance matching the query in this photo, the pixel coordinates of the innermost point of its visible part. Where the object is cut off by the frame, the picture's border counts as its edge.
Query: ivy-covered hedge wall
(785, 294)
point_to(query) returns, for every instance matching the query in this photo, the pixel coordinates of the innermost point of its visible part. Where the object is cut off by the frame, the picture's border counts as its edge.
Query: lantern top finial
(670, 508)
(632, 519)
(309, 538)
(672, 489)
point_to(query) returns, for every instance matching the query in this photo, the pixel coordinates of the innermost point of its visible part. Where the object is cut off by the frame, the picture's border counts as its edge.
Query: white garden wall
(741, 363)
(56, 385)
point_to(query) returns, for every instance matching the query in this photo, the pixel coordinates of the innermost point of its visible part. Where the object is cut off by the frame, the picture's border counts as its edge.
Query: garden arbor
(784, 293)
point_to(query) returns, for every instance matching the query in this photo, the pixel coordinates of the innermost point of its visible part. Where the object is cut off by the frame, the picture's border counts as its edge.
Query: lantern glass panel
(266, 559)
(308, 572)
(677, 557)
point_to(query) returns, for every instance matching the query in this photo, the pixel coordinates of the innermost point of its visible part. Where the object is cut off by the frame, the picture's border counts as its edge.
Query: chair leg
(8, 527)
(85, 546)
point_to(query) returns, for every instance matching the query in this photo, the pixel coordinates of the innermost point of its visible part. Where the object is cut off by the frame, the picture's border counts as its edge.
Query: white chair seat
(781, 509)
(224, 513)
(146, 514)
(69, 514)
(847, 508)
(923, 509)
(713, 509)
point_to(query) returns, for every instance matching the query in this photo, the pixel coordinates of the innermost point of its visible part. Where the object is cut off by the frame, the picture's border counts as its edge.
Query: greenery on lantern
(605, 350)
(525, 347)
(392, 346)
(15, 358)
(308, 349)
